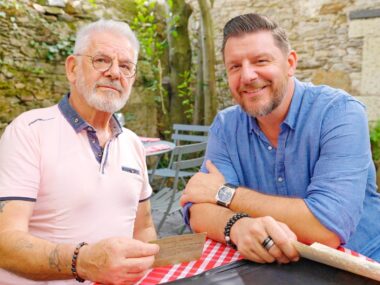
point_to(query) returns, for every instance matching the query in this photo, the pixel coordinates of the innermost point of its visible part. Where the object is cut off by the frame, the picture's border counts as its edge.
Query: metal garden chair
(189, 133)
(179, 153)
(167, 199)
(182, 135)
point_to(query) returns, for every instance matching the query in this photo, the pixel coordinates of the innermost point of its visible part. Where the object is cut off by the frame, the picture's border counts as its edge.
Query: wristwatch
(225, 194)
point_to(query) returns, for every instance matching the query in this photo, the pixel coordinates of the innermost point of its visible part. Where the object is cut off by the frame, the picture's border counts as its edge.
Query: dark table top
(302, 272)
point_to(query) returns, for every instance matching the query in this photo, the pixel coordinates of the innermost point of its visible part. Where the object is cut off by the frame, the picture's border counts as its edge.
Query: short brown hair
(252, 23)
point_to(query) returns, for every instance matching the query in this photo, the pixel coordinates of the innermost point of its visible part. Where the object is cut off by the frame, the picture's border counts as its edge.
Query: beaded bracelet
(74, 262)
(227, 229)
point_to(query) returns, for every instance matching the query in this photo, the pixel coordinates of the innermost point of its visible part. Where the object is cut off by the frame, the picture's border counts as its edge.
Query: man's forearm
(146, 234)
(144, 229)
(205, 217)
(34, 258)
(291, 211)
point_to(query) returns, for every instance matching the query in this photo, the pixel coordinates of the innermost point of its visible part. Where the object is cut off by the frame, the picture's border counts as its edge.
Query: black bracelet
(227, 229)
(74, 262)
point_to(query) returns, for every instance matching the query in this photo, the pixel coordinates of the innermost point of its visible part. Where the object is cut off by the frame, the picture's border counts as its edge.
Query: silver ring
(268, 243)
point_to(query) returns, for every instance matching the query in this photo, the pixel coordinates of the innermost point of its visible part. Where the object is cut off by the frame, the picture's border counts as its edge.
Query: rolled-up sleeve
(336, 193)
(217, 153)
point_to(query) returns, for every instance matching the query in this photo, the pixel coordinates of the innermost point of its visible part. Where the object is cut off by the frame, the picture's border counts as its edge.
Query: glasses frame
(112, 60)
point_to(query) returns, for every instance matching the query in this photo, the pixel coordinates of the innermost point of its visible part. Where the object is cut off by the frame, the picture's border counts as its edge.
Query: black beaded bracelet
(227, 229)
(74, 262)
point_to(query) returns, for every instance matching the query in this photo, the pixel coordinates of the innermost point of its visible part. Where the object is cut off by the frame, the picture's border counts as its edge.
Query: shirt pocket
(130, 170)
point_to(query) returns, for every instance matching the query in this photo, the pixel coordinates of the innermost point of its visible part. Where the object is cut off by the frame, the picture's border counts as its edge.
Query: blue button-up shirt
(323, 156)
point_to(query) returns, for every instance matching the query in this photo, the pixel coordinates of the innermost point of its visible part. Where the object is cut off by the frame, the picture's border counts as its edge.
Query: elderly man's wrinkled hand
(202, 187)
(249, 234)
(116, 261)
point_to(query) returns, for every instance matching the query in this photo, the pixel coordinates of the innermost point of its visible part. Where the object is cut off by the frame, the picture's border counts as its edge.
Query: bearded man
(296, 157)
(74, 191)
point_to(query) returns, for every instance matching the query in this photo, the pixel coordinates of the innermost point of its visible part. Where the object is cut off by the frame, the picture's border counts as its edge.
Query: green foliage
(9, 5)
(375, 141)
(92, 2)
(173, 21)
(129, 117)
(146, 28)
(152, 46)
(57, 51)
(186, 94)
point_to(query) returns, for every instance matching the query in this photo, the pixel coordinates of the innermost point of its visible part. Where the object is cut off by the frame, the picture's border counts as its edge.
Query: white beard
(107, 102)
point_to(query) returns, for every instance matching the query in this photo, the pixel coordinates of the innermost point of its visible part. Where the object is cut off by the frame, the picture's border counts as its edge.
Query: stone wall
(337, 41)
(36, 37)
(337, 44)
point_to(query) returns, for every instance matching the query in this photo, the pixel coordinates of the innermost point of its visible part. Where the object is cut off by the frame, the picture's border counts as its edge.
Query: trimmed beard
(276, 99)
(107, 101)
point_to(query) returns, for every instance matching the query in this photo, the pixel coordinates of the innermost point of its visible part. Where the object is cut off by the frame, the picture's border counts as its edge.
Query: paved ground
(171, 225)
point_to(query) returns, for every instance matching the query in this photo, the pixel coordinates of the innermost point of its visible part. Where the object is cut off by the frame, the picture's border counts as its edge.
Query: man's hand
(249, 233)
(202, 187)
(116, 261)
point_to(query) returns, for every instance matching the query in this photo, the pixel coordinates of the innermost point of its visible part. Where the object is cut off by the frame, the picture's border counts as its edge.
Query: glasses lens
(128, 68)
(101, 62)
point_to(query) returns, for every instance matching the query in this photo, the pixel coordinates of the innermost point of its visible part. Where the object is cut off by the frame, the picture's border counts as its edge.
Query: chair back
(189, 133)
(167, 199)
(182, 152)
(186, 165)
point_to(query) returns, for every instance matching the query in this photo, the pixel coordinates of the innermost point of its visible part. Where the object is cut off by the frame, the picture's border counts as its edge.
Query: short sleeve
(19, 162)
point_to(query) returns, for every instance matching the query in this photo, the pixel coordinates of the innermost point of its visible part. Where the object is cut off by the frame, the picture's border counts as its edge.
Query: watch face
(225, 194)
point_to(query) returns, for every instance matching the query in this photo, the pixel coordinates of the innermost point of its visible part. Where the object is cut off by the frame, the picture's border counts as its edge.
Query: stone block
(53, 10)
(365, 27)
(332, 8)
(57, 3)
(373, 106)
(334, 78)
(371, 66)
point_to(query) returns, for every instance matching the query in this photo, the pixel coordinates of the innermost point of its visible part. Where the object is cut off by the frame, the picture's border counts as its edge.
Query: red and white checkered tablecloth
(214, 254)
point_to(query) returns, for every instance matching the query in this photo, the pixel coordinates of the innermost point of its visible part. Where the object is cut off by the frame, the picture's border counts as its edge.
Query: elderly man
(291, 152)
(74, 193)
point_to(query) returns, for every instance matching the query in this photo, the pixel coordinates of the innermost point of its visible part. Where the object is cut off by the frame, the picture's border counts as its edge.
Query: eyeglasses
(103, 63)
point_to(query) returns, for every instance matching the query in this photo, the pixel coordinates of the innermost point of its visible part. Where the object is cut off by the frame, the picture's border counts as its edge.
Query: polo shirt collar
(78, 123)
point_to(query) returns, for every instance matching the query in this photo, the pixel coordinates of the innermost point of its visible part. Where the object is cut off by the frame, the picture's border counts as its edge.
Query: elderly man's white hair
(84, 33)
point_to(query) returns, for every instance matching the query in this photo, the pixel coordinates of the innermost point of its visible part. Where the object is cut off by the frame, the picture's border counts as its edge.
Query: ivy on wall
(57, 51)
(185, 92)
(152, 47)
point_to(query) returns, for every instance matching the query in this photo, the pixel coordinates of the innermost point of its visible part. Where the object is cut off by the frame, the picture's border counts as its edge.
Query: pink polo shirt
(52, 157)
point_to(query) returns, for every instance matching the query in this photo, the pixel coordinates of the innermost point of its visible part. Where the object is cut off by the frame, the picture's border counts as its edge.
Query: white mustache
(110, 84)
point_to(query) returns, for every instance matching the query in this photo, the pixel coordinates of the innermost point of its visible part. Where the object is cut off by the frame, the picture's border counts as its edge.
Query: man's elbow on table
(331, 239)
(208, 218)
(323, 236)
